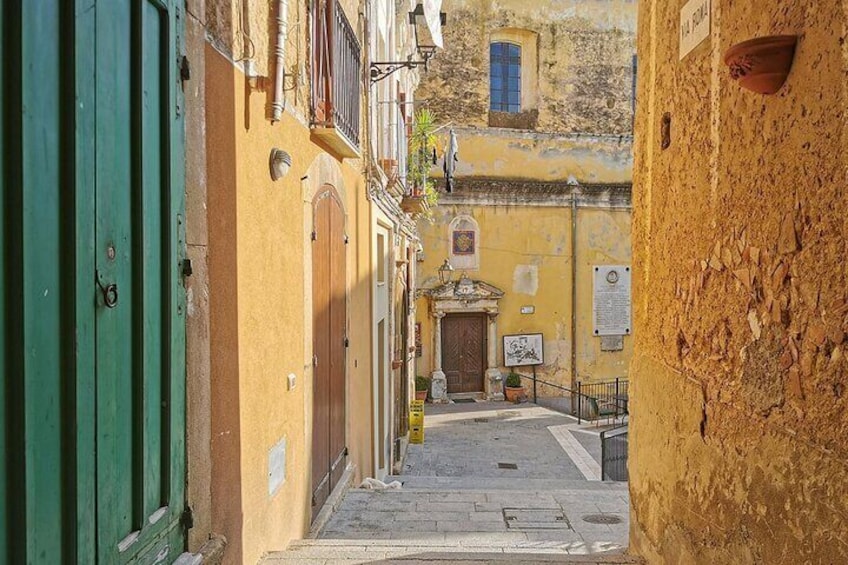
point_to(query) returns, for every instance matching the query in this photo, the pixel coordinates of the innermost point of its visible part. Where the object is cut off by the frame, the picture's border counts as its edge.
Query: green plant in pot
(513, 389)
(422, 194)
(422, 386)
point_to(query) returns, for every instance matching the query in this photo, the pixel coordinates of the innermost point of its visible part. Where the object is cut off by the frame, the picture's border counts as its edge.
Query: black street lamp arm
(382, 69)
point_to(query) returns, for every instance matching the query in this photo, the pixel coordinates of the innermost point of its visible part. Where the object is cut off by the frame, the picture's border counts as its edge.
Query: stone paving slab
(500, 483)
(452, 506)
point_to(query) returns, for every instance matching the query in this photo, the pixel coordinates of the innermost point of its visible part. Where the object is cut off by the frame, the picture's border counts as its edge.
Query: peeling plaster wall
(500, 152)
(739, 430)
(585, 59)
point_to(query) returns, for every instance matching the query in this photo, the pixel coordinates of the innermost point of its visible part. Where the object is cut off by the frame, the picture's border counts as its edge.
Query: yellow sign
(416, 421)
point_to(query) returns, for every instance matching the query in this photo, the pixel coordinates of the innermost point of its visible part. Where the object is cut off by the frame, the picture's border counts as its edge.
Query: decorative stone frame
(464, 262)
(528, 40)
(466, 296)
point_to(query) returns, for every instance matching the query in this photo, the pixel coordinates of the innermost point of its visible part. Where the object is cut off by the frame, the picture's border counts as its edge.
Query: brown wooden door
(329, 306)
(464, 351)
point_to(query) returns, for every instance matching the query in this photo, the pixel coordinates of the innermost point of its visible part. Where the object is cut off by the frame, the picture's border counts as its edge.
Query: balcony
(336, 76)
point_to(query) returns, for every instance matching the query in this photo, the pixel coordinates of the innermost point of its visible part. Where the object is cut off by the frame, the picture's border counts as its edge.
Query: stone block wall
(583, 71)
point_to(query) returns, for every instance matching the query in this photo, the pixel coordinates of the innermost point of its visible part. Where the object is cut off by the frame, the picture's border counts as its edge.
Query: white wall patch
(525, 279)
(276, 467)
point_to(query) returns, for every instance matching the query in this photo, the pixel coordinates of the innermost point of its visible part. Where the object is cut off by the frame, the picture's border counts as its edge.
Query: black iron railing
(591, 401)
(337, 68)
(614, 454)
(602, 400)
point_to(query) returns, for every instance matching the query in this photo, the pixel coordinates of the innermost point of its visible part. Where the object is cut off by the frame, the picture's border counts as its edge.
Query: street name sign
(694, 25)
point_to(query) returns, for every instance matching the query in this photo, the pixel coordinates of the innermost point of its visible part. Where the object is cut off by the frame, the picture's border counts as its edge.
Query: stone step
(442, 484)
(348, 552)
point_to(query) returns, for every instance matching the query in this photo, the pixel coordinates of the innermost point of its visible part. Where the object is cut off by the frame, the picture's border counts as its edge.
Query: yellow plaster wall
(603, 238)
(505, 153)
(739, 409)
(257, 273)
(537, 237)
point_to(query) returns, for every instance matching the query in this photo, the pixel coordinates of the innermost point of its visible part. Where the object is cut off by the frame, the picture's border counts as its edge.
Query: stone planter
(414, 204)
(514, 394)
(762, 65)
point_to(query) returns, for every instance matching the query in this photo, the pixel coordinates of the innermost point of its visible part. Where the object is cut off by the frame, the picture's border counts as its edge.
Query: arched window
(505, 77)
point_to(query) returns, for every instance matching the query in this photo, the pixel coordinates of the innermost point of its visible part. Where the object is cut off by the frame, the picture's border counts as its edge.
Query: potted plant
(422, 386)
(422, 193)
(513, 389)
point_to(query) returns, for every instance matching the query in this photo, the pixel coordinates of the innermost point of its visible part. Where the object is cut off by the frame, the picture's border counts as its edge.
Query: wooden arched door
(329, 310)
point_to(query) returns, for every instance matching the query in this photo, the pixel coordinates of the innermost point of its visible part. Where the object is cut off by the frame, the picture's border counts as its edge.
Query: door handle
(109, 291)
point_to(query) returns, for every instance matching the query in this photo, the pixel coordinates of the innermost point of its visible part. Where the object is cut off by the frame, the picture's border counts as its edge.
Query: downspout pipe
(573, 288)
(279, 105)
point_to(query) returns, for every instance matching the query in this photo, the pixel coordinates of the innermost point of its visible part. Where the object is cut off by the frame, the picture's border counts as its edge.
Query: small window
(505, 77)
(381, 259)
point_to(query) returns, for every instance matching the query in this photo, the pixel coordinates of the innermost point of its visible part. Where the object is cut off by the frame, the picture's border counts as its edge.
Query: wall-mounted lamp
(280, 163)
(446, 272)
(426, 44)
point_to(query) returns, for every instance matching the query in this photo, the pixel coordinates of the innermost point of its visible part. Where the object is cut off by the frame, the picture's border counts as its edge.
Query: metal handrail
(578, 394)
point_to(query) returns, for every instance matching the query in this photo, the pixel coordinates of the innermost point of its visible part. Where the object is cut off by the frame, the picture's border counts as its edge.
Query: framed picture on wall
(523, 350)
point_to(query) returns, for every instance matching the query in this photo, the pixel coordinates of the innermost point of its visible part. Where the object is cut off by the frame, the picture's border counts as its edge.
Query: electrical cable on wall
(248, 48)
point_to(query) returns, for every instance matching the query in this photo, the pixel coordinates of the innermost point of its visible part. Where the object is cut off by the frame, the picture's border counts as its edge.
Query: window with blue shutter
(505, 77)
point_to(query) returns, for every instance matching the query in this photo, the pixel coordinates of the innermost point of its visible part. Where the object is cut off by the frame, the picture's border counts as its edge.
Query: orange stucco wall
(259, 285)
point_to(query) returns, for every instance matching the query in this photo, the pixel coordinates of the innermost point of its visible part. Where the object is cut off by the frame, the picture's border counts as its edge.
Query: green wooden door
(92, 397)
(138, 322)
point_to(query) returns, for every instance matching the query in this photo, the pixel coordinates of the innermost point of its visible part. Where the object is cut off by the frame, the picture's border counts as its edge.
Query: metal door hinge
(314, 236)
(185, 69)
(314, 360)
(187, 270)
(346, 239)
(346, 342)
(187, 518)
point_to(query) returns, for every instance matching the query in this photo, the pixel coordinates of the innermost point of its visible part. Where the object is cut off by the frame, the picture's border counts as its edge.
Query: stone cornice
(485, 191)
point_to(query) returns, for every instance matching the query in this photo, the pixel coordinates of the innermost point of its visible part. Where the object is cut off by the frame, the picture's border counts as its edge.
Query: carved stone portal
(466, 296)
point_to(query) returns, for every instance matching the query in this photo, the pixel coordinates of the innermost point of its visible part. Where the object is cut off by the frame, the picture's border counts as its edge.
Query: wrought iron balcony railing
(336, 77)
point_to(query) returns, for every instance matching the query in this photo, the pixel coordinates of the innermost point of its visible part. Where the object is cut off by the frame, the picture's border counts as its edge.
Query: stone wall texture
(584, 65)
(739, 433)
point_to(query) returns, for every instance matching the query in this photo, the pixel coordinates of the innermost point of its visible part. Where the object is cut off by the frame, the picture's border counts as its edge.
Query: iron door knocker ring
(110, 292)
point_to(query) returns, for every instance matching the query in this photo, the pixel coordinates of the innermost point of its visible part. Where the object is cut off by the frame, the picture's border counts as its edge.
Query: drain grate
(481, 420)
(463, 400)
(507, 466)
(602, 519)
(528, 519)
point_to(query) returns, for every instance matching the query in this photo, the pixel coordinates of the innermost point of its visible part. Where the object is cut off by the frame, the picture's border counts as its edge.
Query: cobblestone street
(492, 482)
